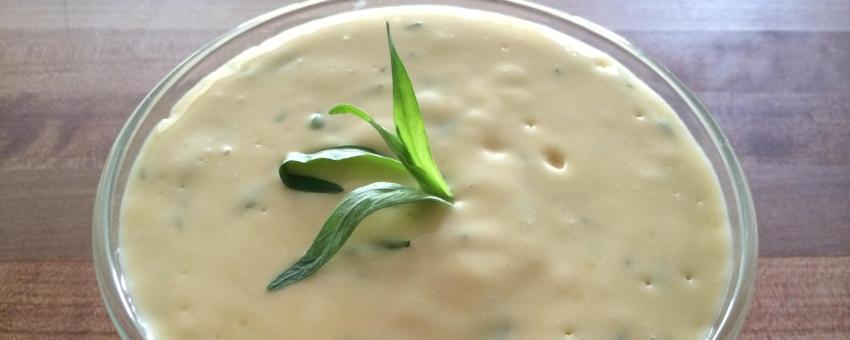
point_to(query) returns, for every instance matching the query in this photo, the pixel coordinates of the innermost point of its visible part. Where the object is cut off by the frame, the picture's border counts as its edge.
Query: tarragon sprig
(409, 143)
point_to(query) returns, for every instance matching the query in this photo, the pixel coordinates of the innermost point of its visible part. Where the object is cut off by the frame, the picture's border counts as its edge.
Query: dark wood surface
(776, 74)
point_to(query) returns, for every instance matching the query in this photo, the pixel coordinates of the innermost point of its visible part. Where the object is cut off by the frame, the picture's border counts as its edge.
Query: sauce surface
(585, 210)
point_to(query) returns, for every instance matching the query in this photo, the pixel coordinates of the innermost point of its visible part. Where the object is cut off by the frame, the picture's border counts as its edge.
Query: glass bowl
(158, 103)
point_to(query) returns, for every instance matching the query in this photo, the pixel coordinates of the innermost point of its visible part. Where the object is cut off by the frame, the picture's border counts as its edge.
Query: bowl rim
(111, 284)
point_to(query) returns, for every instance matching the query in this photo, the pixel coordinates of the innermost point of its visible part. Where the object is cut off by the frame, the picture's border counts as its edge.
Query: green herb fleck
(279, 117)
(317, 121)
(393, 244)
(416, 25)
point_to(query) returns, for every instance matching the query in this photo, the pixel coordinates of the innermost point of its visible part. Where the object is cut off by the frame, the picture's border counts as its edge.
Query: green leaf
(335, 154)
(355, 207)
(411, 129)
(391, 139)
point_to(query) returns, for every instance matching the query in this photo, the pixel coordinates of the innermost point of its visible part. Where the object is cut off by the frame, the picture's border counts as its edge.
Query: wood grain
(801, 298)
(776, 75)
(51, 300)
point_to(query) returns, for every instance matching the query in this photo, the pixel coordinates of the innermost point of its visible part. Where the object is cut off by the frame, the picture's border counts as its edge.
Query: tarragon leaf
(390, 138)
(410, 127)
(355, 207)
(346, 153)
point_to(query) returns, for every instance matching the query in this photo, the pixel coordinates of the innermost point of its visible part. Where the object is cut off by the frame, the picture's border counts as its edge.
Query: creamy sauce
(585, 210)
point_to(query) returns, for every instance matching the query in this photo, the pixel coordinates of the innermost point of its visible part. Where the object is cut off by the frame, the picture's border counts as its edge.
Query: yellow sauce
(585, 208)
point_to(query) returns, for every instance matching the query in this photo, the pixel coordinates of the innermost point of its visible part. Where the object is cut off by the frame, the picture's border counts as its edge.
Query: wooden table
(776, 74)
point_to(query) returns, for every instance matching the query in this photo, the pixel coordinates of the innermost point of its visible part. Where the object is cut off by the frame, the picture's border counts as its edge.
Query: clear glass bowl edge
(105, 260)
